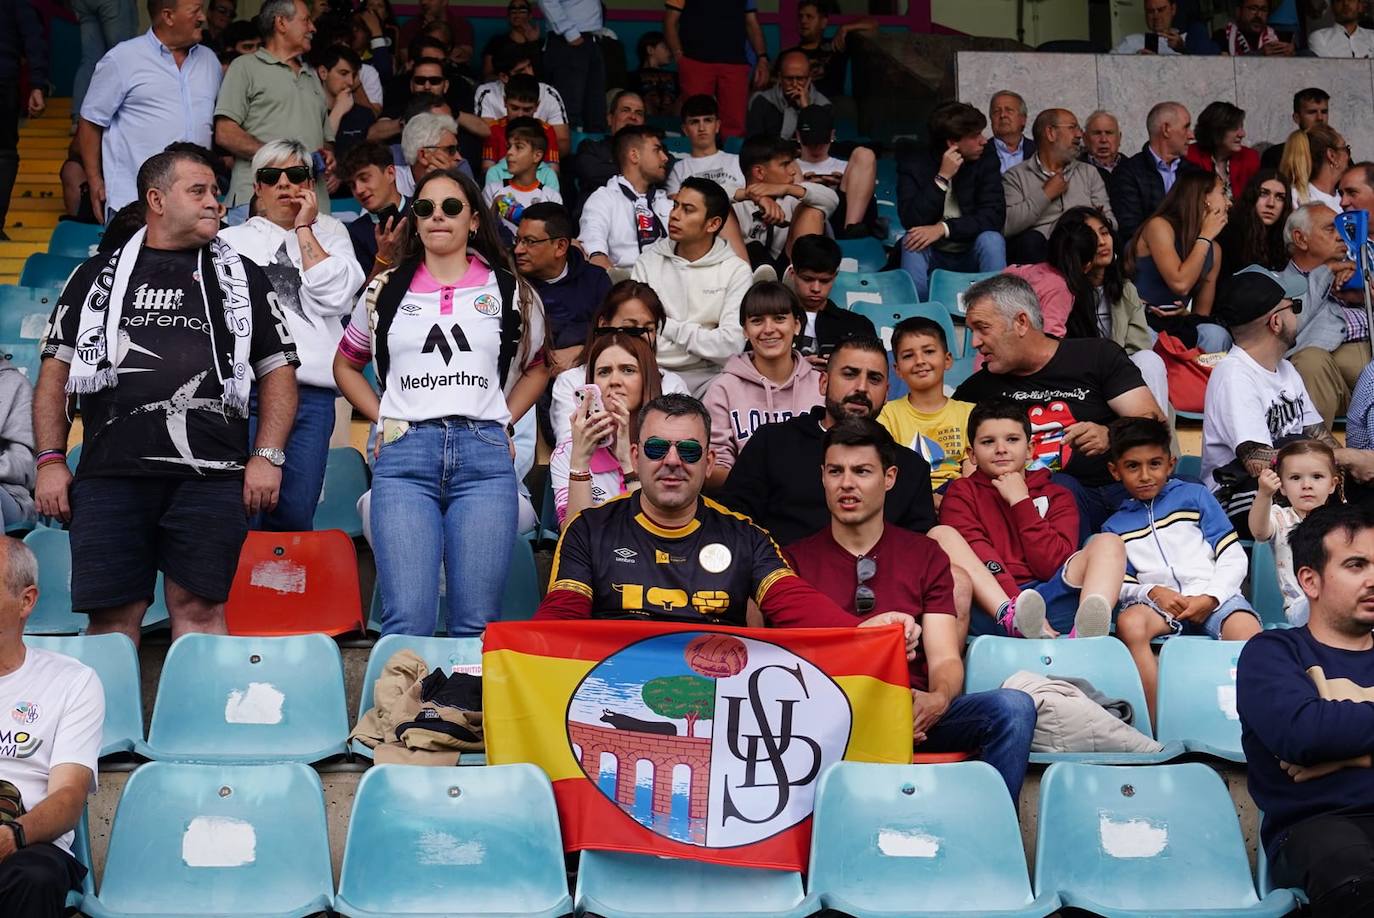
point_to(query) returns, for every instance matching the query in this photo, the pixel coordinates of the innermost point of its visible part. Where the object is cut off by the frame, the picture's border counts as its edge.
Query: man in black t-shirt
(160, 342)
(1072, 390)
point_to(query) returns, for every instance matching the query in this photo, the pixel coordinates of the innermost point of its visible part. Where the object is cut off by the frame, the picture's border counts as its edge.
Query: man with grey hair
(1102, 142)
(1332, 347)
(429, 142)
(1072, 390)
(271, 94)
(308, 259)
(1007, 117)
(161, 342)
(1139, 184)
(49, 751)
(1051, 181)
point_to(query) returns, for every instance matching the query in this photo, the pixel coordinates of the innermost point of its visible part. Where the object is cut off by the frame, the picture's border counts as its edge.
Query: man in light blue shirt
(1007, 117)
(152, 90)
(573, 61)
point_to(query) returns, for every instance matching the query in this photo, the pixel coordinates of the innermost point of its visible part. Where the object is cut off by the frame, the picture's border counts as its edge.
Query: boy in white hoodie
(772, 383)
(701, 282)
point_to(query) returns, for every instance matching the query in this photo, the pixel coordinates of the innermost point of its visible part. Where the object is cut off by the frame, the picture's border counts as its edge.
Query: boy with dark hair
(1184, 563)
(508, 198)
(370, 173)
(815, 265)
(338, 69)
(522, 101)
(629, 213)
(1024, 530)
(774, 208)
(854, 179)
(489, 101)
(701, 124)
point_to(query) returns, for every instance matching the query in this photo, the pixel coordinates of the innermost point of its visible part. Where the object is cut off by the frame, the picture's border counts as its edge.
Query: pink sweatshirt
(741, 400)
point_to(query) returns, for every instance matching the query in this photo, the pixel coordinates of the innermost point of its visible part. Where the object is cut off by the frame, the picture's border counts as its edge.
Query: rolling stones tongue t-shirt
(1081, 378)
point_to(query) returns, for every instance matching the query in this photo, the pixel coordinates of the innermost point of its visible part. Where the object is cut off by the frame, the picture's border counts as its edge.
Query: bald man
(1141, 181)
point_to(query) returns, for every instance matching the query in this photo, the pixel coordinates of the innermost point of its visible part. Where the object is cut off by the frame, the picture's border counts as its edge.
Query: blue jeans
(1095, 502)
(103, 24)
(988, 253)
(998, 725)
(445, 492)
(307, 451)
(1212, 339)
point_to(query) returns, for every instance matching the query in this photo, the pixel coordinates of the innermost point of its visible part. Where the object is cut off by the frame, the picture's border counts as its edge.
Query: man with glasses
(429, 142)
(665, 554)
(147, 92)
(775, 111)
(570, 288)
(861, 563)
(1250, 34)
(219, 17)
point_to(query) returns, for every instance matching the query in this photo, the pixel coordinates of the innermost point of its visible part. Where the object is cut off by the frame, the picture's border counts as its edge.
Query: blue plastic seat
(1197, 696)
(1135, 841)
(24, 355)
(476, 841)
(75, 240)
(1263, 881)
(888, 290)
(616, 885)
(345, 480)
(519, 599)
(217, 840)
(249, 700)
(24, 312)
(1189, 467)
(911, 840)
(49, 272)
(115, 661)
(81, 850)
(437, 652)
(53, 613)
(948, 287)
(1103, 661)
(865, 254)
(1265, 594)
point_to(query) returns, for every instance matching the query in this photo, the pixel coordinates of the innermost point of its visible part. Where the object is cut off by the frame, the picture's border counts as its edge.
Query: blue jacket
(571, 301)
(1181, 540)
(977, 188)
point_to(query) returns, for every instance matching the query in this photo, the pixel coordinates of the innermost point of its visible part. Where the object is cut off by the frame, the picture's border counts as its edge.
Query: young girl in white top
(1305, 473)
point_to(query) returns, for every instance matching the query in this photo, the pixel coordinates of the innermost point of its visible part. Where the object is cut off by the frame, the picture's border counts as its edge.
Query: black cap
(1252, 293)
(815, 124)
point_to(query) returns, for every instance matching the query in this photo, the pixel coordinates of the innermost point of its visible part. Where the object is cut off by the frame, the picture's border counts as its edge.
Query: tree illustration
(690, 697)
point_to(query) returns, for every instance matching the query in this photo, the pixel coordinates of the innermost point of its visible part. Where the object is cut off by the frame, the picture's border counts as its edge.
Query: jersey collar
(654, 529)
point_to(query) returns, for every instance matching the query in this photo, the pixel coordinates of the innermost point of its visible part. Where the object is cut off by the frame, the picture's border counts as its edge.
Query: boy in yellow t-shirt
(927, 420)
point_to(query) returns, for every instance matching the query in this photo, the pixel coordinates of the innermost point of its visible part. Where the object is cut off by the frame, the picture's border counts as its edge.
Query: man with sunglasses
(570, 288)
(862, 564)
(665, 554)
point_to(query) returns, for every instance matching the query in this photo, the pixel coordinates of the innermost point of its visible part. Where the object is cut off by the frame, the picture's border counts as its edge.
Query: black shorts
(124, 530)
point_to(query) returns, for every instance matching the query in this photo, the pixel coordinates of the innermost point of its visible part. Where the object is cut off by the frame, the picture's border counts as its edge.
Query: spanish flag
(689, 741)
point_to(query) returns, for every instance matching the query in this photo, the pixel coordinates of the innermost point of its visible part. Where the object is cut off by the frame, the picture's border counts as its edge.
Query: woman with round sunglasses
(594, 464)
(456, 340)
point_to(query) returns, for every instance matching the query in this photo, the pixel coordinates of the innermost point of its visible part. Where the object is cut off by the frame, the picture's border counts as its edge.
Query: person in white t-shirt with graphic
(49, 750)
(1256, 401)
(701, 125)
(854, 179)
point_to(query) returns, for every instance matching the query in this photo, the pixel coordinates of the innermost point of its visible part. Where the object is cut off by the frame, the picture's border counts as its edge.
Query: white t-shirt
(372, 83)
(775, 237)
(1282, 521)
(1247, 403)
(509, 200)
(1316, 196)
(720, 167)
(56, 709)
(490, 102)
(829, 166)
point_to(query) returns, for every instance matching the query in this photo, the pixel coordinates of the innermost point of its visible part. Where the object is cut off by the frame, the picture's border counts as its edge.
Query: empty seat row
(887, 840)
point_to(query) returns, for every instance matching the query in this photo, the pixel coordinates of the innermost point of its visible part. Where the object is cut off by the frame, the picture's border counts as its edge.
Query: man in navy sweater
(1306, 702)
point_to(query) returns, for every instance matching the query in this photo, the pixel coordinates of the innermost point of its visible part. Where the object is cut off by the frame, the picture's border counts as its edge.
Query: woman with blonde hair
(1312, 163)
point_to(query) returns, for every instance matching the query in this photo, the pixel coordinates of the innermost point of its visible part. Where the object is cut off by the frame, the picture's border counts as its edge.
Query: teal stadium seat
(913, 840)
(1136, 841)
(115, 661)
(616, 885)
(1265, 595)
(437, 652)
(1263, 881)
(519, 599)
(948, 287)
(1103, 661)
(81, 850)
(24, 355)
(865, 254)
(24, 312)
(53, 613)
(476, 841)
(864, 290)
(1189, 467)
(1197, 696)
(345, 480)
(217, 840)
(249, 700)
(49, 272)
(75, 240)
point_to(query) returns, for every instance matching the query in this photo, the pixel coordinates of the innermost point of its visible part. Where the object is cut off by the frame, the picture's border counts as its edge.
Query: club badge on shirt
(714, 558)
(487, 305)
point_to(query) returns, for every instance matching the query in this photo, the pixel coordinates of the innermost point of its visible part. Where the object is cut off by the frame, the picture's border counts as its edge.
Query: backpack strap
(392, 287)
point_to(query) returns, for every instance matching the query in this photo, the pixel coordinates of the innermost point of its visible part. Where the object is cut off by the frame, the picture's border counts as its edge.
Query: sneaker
(1094, 618)
(1025, 616)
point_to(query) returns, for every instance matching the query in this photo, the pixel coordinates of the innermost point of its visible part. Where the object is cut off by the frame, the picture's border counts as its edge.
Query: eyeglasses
(296, 175)
(428, 80)
(689, 451)
(451, 149)
(632, 330)
(223, 10)
(864, 600)
(424, 207)
(528, 241)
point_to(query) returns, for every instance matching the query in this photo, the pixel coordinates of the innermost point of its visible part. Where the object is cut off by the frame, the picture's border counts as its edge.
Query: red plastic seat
(939, 758)
(295, 583)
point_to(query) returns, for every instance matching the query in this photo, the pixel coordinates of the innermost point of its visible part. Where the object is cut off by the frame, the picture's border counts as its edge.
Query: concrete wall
(1129, 85)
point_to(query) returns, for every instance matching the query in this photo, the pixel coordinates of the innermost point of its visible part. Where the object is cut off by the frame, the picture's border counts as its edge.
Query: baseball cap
(815, 124)
(1252, 292)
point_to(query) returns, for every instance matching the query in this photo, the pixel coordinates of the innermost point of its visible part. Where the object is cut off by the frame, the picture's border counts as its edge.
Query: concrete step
(36, 235)
(21, 250)
(11, 266)
(36, 204)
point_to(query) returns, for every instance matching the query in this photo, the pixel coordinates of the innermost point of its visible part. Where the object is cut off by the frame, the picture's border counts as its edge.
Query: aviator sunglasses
(689, 451)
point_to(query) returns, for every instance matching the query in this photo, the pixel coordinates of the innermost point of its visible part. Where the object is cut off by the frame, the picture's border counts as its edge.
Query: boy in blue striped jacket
(1184, 562)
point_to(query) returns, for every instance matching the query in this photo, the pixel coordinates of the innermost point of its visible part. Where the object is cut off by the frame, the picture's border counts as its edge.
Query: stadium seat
(24, 355)
(24, 312)
(435, 651)
(115, 661)
(1103, 661)
(865, 254)
(911, 840)
(48, 272)
(889, 290)
(948, 287)
(217, 840)
(81, 850)
(1263, 881)
(678, 144)
(347, 205)
(616, 885)
(295, 583)
(75, 240)
(53, 613)
(1265, 595)
(1197, 696)
(1157, 840)
(345, 480)
(249, 700)
(1189, 467)
(471, 841)
(519, 599)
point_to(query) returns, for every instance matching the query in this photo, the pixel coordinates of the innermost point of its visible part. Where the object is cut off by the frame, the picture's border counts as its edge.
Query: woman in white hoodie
(772, 382)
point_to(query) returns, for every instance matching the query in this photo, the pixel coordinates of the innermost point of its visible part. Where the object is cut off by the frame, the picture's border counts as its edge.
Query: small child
(1022, 531)
(701, 125)
(926, 420)
(508, 198)
(1184, 563)
(1305, 472)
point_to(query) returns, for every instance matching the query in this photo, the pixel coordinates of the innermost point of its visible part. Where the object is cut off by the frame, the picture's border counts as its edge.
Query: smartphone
(1285, 36)
(1152, 42)
(388, 217)
(589, 400)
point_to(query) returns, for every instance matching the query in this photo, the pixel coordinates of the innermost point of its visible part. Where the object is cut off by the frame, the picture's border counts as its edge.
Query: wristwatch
(275, 456)
(19, 840)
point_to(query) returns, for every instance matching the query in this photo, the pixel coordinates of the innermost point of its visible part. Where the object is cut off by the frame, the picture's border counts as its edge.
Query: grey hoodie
(741, 400)
(17, 471)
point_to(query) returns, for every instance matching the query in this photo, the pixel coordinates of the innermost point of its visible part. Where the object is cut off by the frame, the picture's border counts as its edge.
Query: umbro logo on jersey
(156, 299)
(625, 555)
(411, 308)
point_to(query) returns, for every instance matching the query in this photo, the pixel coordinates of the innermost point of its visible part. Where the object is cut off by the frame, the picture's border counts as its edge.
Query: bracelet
(50, 460)
(60, 453)
(1203, 239)
(296, 229)
(579, 475)
(381, 261)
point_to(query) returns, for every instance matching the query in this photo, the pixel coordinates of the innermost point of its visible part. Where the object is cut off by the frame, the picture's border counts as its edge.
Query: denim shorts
(1061, 598)
(1212, 626)
(124, 530)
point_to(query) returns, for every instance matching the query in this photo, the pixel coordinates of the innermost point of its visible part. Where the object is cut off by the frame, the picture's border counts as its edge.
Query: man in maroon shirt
(862, 563)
